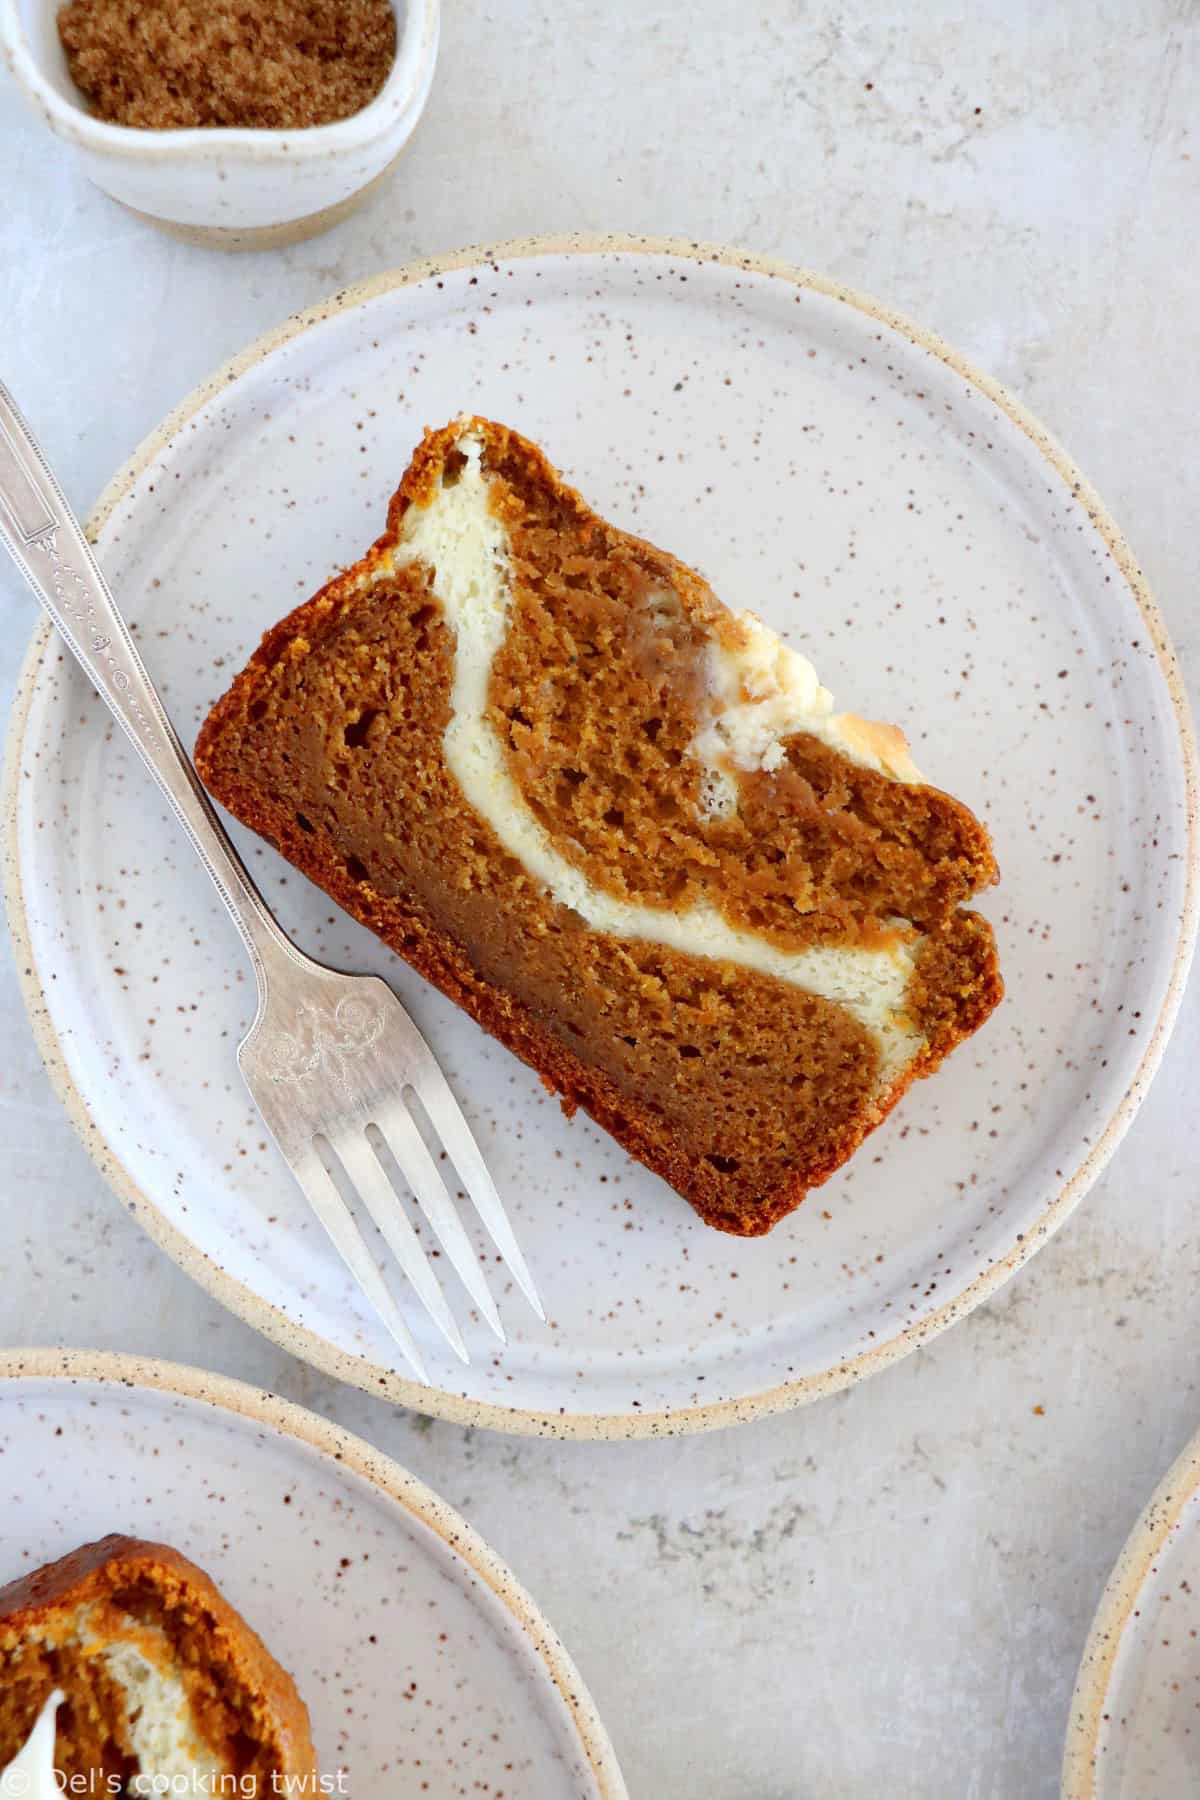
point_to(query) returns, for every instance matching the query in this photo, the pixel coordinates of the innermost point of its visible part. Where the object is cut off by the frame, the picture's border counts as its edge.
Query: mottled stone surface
(886, 1593)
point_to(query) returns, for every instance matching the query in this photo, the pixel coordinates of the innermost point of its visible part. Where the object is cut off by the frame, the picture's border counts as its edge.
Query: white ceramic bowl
(235, 189)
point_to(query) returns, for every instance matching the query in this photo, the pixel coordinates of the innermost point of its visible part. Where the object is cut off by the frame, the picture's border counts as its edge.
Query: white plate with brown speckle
(1134, 1730)
(425, 1666)
(888, 510)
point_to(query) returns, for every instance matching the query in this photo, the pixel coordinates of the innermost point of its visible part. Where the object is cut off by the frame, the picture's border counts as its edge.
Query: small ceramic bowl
(235, 189)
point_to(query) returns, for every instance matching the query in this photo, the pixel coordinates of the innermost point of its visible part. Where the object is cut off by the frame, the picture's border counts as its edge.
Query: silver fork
(331, 1060)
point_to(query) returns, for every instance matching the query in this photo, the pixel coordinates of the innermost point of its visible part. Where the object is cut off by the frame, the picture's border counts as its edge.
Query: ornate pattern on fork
(324, 1039)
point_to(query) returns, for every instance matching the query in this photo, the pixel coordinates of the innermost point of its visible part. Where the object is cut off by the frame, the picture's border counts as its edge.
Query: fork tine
(436, 1096)
(398, 1130)
(370, 1178)
(322, 1195)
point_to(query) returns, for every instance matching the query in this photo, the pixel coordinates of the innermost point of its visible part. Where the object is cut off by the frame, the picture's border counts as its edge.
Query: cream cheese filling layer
(162, 1730)
(761, 692)
(465, 546)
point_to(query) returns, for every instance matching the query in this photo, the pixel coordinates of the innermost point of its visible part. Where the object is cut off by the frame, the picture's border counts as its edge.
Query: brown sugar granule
(275, 65)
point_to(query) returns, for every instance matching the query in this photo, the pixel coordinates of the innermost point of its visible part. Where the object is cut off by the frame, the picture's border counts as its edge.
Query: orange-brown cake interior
(597, 694)
(56, 1625)
(740, 1088)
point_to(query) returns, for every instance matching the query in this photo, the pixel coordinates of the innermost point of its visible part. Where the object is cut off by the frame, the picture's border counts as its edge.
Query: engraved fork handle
(46, 542)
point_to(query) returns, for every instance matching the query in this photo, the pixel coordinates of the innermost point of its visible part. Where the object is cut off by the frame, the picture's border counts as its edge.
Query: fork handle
(46, 542)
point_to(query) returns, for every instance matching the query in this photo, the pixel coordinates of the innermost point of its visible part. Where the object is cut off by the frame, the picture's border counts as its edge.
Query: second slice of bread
(162, 1677)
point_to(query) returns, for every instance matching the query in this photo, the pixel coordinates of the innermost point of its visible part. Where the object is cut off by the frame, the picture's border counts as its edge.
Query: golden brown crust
(956, 995)
(237, 1689)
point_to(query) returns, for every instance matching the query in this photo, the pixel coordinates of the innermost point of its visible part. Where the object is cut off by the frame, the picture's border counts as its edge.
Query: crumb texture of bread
(162, 1676)
(492, 742)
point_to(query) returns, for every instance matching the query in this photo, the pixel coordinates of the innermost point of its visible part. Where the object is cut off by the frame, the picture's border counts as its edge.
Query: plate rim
(1154, 1525)
(376, 1378)
(226, 1393)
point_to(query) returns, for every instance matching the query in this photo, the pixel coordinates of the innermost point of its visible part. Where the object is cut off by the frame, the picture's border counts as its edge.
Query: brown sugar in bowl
(276, 65)
(234, 187)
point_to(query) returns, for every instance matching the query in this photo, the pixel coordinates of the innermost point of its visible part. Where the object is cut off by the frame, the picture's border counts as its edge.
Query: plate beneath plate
(420, 1658)
(894, 515)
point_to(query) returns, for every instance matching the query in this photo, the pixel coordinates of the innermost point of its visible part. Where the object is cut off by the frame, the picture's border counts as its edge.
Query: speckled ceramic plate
(890, 511)
(1134, 1731)
(425, 1666)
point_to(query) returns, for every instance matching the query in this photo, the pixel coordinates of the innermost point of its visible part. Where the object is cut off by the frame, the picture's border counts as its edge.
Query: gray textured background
(886, 1593)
